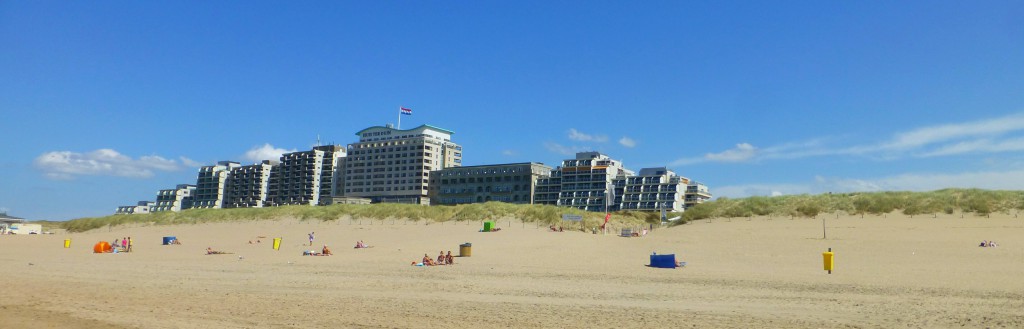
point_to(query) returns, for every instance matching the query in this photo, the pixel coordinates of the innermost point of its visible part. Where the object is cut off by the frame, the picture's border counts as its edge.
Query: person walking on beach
(311, 238)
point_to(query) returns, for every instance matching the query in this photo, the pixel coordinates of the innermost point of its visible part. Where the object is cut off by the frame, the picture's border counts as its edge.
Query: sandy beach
(891, 272)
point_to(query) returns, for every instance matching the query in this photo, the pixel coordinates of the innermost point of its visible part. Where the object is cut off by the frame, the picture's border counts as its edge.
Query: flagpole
(399, 117)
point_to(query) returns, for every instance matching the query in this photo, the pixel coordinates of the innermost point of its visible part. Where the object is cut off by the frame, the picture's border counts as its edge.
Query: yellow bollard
(67, 243)
(829, 259)
(277, 243)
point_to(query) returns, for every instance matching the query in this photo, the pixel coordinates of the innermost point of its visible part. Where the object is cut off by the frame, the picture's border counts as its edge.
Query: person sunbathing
(326, 251)
(210, 251)
(360, 245)
(441, 259)
(448, 258)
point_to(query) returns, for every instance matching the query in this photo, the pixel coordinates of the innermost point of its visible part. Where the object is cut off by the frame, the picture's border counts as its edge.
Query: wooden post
(824, 234)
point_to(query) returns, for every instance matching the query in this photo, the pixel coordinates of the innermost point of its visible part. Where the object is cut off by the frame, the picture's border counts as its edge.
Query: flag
(406, 111)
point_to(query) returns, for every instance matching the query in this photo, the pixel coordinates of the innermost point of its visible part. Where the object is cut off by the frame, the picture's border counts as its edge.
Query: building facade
(392, 165)
(305, 178)
(696, 193)
(141, 208)
(583, 182)
(210, 184)
(247, 186)
(513, 183)
(586, 181)
(653, 189)
(175, 199)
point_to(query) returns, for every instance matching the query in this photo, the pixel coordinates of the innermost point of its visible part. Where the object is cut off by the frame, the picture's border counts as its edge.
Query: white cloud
(627, 142)
(998, 135)
(577, 135)
(189, 162)
(102, 162)
(978, 146)
(941, 133)
(996, 180)
(562, 149)
(741, 153)
(265, 152)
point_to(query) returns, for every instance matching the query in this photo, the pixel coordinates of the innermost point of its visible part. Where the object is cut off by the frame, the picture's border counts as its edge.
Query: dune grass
(542, 214)
(947, 201)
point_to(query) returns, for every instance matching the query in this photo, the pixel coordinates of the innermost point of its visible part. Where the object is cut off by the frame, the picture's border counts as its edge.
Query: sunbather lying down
(210, 251)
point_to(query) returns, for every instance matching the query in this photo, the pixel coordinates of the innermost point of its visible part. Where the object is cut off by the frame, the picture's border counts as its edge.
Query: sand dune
(891, 272)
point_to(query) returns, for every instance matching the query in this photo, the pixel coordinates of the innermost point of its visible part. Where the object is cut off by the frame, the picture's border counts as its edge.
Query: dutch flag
(406, 111)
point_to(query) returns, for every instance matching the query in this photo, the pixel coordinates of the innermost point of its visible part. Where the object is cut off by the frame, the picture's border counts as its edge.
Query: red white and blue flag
(406, 111)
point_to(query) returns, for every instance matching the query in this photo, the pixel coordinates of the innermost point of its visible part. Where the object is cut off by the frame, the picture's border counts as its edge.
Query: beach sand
(891, 272)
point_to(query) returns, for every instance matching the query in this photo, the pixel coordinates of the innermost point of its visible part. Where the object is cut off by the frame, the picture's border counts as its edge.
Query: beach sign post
(277, 243)
(829, 260)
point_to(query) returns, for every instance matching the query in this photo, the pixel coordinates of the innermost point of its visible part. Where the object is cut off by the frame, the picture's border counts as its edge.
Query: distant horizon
(111, 102)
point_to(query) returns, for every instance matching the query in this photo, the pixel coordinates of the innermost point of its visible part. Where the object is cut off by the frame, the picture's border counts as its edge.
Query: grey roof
(8, 219)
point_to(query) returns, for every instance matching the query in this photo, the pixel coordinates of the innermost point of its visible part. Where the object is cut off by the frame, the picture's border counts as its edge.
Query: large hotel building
(393, 165)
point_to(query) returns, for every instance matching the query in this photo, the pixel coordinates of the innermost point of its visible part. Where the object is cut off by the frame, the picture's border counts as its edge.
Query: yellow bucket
(277, 243)
(67, 243)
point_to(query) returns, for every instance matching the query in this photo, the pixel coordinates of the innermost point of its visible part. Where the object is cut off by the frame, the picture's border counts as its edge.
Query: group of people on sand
(325, 251)
(361, 245)
(986, 243)
(124, 243)
(442, 259)
(555, 229)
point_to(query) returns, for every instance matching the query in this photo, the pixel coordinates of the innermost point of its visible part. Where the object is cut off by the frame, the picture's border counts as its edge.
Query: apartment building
(393, 165)
(306, 177)
(210, 184)
(585, 182)
(653, 189)
(696, 193)
(175, 199)
(582, 182)
(512, 182)
(247, 186)
(141, 208)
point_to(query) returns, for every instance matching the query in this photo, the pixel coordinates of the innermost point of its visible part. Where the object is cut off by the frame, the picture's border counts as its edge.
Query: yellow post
(277, 243)
(67, 243)
(829, 259)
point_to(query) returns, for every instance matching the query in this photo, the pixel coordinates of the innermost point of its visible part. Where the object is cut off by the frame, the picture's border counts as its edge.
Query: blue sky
(103, 103)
